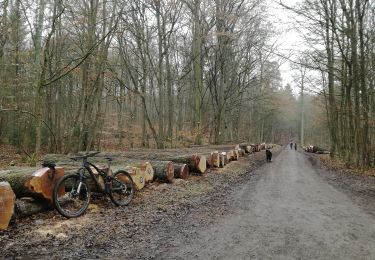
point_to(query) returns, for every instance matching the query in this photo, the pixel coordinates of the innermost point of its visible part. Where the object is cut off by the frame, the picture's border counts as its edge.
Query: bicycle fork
(108, 184)
(80, 183)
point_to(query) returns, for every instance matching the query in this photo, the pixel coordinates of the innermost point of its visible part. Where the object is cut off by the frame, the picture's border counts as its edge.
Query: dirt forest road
(290, 213)
(287, 209)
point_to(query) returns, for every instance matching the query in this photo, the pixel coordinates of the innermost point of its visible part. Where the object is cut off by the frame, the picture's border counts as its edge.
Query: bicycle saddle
(50, 165)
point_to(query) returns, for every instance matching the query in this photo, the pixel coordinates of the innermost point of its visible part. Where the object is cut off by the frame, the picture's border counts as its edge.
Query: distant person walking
(295, 146)
(291, 145)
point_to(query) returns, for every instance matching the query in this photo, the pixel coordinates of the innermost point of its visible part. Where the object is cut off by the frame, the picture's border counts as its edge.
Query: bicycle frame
(86, 165)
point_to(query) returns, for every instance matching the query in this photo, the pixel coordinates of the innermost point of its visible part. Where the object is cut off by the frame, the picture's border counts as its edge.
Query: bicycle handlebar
(84, 156)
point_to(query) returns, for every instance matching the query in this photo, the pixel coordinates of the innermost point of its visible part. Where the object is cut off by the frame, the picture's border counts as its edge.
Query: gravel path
(289, 213)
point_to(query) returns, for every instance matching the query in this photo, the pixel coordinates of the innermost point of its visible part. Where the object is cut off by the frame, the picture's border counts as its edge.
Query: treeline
(341, 36)
(75, 74)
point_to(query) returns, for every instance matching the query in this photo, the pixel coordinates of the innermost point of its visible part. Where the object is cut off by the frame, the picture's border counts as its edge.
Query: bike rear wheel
(122, 189)
(71, 196)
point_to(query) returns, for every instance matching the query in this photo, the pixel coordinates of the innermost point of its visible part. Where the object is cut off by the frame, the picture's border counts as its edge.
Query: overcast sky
(289, 40)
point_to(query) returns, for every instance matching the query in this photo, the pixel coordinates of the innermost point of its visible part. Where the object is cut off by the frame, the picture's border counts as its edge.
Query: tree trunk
(39, 75)
(160, 75)
(197, 70)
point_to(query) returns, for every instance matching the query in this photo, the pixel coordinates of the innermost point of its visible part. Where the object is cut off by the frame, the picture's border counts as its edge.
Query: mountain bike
(71, 194)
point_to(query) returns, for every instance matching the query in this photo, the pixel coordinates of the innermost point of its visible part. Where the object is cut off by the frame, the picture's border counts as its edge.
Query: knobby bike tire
(65, 196)
(122, 189)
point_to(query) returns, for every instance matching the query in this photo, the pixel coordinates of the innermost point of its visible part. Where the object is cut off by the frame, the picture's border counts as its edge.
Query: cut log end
(170, 172)
(241, 152)
(138, 177)
(7, 199)
(222, 159)
(200, 163)
(181, 171)
(149, 172)
(142, 165)
(163, 170)
(215, 157)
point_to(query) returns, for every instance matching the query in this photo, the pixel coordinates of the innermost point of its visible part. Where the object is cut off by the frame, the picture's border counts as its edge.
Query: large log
(163, 170)
(215, 158)
(25, 207)
(137, 175)
(181, 171)
(241, 152)
(98, 177)
(196, 163)
(246, 147)
(7, 199)
(317, 149)
(222, 159)
(118, 161)
(234, 155)
(64, 159)
(32, 182)
(209, 161)
(143, 165)
(255, 148)
(227, 157)
(140, 171)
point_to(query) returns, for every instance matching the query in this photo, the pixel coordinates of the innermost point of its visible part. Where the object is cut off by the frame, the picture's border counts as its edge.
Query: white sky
(289, 40)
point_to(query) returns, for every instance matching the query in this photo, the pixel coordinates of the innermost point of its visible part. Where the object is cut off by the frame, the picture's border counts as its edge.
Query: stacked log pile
(26, 191)
(315, 149)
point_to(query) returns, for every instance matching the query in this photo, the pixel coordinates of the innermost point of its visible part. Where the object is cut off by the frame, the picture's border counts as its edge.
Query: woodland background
(114, 74)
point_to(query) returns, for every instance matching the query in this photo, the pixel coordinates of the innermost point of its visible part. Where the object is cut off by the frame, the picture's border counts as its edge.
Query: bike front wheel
(122, 188)
(71, 196)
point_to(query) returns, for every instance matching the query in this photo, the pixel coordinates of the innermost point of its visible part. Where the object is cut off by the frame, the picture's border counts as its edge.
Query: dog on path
(268, 155)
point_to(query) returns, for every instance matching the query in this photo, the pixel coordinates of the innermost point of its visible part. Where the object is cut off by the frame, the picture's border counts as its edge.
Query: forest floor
(292, 208)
